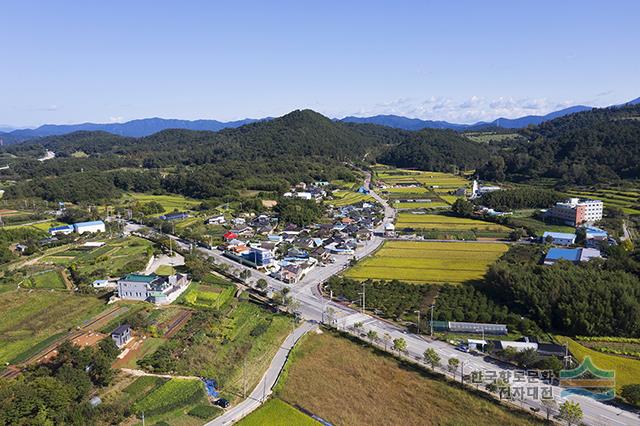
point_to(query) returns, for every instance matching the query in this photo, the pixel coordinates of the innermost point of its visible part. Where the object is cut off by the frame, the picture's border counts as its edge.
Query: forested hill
(583, 148)
(441, 150)
(263, 156)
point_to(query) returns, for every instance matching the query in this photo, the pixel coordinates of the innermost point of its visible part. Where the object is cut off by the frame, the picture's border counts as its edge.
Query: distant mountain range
(505, 123)
(149, 126)
(134, 128)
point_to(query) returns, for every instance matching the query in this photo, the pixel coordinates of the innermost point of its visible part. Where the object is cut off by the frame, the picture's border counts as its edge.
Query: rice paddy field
(627, 369)
(30, 317)
(421, 205)
(345, 198)
(346, 383)
(441, 222)
(434, 180)
(626, 199)
(428, 262)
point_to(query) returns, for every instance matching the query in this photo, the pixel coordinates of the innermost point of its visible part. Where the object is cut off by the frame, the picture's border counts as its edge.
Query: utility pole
(461, 371)
(364, 295)
(143, 418)
(432, 306)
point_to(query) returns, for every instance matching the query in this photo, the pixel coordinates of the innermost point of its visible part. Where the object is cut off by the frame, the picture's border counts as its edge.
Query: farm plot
(420, 205)
(173, 401)
(31, 317)
(428, 262)
(108, 260)
(47, 279)
(445, 223)
(345, 198)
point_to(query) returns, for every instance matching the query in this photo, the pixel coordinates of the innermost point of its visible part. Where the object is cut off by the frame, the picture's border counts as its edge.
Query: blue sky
(463, 61)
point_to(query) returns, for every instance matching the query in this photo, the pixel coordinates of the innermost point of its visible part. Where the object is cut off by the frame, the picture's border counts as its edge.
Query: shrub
(204, 412)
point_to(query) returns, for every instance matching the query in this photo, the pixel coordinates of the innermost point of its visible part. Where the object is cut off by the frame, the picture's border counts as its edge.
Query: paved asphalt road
(263, 389)
(314, 307)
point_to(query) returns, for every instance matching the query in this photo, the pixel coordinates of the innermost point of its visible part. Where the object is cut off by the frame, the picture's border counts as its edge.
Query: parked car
(221, 402)
(463, 348)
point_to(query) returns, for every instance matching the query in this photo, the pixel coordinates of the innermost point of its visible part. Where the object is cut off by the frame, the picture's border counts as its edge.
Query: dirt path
(140, 373)
(67, 281)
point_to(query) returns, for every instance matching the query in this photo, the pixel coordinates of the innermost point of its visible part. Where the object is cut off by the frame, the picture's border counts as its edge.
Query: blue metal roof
(559, 235)
(572, 255)
(61, 228)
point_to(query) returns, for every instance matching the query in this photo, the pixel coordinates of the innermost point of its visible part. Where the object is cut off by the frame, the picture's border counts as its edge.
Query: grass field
(428, 262)
(48, 279)
(345, 198)
(348, 384)
(30, 317)
(627, 369)
(275, 412)
(445, 223)
(165, 270)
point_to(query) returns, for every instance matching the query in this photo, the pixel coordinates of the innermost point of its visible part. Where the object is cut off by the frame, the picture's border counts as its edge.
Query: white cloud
(470, 110)
(118, 119)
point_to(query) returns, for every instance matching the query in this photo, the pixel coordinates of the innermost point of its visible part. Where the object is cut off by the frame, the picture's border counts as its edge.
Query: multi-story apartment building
(575, 211)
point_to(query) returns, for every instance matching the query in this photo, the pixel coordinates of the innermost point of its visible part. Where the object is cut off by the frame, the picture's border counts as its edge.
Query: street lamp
(433, 305)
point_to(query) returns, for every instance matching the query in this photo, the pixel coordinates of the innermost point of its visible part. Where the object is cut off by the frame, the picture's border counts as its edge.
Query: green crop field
(168, 202)
(30, 317)
(428, 262)
(174, 394)
(47, 279)
(209, 296)
(407, 189)
(350, 384)
(275, 412)
(345, 198)
(442, 222)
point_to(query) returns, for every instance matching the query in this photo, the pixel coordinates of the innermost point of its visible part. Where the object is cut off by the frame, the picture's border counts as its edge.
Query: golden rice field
(421, 205)
(428, 262)
(445, 223)
(428, 179)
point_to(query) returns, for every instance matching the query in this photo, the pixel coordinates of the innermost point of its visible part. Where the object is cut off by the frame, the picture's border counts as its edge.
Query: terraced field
(436, 180)
(168, 202)
(627, 200)
(428, 262)
(421, 205)
(445, 223)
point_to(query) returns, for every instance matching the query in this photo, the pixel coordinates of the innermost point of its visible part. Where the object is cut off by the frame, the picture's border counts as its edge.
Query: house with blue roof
(560, 238)
(575, 255)
(65, 229)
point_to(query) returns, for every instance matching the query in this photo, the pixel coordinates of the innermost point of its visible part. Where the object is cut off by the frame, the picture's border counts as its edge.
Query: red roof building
(230, 236)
